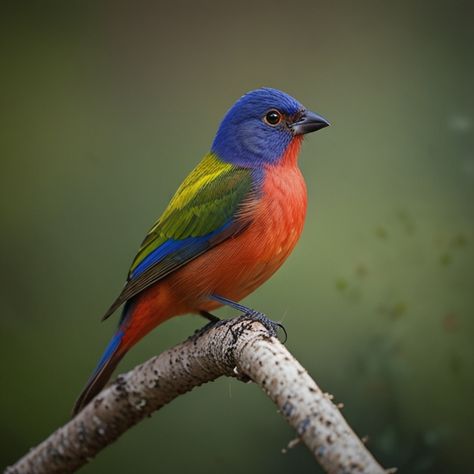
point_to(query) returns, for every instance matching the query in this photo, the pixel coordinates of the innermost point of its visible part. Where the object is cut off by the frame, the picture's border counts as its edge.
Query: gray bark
(239, 348)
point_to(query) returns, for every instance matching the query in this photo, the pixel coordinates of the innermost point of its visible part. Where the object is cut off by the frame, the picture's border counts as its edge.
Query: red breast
(239, 265)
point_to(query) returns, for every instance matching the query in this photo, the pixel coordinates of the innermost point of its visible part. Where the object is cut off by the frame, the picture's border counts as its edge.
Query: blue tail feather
(109, 352)
(109, 360)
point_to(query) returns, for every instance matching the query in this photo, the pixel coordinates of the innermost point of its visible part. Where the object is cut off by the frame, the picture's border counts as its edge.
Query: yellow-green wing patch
(203, 213)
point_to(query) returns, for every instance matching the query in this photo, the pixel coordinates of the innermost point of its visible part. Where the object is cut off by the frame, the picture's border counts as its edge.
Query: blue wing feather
(175, 248)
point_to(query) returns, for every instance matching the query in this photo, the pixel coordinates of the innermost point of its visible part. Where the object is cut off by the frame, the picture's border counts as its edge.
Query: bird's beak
(308, 122)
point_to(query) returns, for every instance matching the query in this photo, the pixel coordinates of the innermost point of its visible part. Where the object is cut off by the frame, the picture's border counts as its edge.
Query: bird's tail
(139, 317)
(109, 360)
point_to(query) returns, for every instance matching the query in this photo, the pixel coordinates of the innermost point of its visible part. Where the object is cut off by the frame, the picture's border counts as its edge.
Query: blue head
(259, 127)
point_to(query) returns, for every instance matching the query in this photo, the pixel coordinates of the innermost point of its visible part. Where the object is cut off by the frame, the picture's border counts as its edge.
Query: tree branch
(237, 347)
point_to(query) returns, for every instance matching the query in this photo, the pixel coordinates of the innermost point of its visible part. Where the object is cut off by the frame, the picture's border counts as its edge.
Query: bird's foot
(249, 313)
(271, 326)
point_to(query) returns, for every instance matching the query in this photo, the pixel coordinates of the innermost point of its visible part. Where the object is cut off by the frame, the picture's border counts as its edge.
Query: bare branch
(238, 348)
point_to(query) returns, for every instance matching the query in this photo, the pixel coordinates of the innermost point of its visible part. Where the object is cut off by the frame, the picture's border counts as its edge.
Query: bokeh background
(106, 106)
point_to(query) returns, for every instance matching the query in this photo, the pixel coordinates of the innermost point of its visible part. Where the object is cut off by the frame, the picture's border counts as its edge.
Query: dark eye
(273, 117)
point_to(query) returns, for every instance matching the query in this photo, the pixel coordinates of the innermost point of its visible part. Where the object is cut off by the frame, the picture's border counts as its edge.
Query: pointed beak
(308, 122)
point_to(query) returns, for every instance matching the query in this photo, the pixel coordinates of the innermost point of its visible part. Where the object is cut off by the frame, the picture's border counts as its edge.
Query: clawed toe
(270, 325)
(249, 313)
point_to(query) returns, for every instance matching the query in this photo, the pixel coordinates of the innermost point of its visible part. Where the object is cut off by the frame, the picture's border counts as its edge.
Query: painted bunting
(231, 224)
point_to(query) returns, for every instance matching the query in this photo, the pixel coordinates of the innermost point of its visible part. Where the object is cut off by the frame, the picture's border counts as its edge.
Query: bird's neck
(290, 156)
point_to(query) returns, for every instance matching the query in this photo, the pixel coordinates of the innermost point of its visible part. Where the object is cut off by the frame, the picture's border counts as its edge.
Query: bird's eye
(273, 117)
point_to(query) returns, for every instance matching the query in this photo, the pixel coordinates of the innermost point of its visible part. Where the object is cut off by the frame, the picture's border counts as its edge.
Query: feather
(206, 210)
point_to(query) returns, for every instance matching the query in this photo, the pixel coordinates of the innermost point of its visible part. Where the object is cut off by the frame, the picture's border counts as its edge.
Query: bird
(231, 224)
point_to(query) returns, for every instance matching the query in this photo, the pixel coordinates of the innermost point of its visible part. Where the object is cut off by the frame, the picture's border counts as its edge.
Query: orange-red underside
(235, 267)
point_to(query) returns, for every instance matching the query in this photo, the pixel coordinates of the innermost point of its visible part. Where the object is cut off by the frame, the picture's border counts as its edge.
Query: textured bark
(239, 348)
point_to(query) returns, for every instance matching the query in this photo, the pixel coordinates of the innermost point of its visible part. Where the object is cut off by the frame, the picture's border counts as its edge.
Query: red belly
(238, 266)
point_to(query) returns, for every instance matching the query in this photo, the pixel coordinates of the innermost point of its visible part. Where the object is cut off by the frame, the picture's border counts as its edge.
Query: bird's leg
(250, 313)
(209, 316)
(213, 322)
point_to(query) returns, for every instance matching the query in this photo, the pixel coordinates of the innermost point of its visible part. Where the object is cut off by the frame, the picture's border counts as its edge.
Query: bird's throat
(290, 157)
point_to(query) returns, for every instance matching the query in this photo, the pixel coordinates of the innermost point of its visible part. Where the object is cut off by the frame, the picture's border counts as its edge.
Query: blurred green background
(105, 107)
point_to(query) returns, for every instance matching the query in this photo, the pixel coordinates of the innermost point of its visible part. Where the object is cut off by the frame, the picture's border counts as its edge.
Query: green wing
(204, 212)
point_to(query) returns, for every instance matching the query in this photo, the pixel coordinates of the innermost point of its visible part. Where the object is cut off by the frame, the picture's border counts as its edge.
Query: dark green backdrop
(105, 106)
